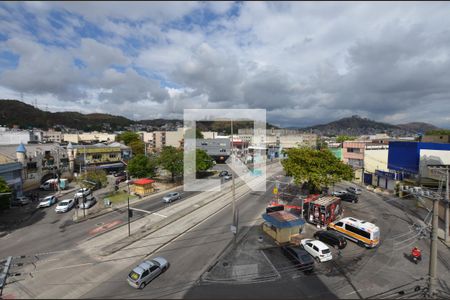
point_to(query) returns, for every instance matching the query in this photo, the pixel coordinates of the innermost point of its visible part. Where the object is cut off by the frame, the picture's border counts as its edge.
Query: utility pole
(128, 203)
(235, 213)
(447, 207)
(433, 251)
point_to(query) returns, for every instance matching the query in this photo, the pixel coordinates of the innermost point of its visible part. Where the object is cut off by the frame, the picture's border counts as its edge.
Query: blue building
(410, 161)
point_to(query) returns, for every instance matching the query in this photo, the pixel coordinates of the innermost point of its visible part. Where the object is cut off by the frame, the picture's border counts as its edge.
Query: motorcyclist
(415, 252)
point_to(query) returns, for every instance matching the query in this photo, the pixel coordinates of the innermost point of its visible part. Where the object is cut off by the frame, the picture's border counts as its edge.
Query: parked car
(171, 197)
(317, 249)
(21, 201)
(146, 271)
(120, 179)
(223, 173)
(349, 197)
(50, 184)
(48, 201)
(354, 190)
(299, 257)
(90, 201)
(331, 238)
(64, 205)
(82, 192)
(338, 193)
(119, 174)
(228, 177)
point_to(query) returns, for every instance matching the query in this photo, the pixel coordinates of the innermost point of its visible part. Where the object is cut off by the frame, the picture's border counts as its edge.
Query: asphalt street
(48, 231)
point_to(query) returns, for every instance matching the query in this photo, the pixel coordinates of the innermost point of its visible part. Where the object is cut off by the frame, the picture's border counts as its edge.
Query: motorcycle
(416, 256)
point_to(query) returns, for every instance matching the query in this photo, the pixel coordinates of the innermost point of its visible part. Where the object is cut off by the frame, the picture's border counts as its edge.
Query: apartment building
(52, 136)
(166, 138)
(89, 137)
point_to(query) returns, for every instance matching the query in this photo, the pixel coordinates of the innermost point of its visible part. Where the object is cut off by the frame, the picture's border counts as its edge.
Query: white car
(339, 193)
(90, 201)
(171, 197)
(47, 201)
(64, 205)
(354, 190)
(317, 249)
(82, 192)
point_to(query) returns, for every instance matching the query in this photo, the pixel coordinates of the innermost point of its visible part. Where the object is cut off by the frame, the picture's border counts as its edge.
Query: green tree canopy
(343, 138)
(203, 160)
(198, 133)
(137, 146)
(171, 159)
(316, 168)
(127, 137)
(438, 132)
(93, 178)
(142, 166)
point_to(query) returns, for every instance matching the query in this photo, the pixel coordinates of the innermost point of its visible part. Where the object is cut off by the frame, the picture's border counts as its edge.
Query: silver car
(146, 271)
(64, 206)
(171, 197)
(354, 190)
(90, 201)
(47, 201)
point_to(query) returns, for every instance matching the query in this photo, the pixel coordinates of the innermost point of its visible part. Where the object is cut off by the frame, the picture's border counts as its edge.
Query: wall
(432, 157)
(337, 152)
(15, 137)
(404, 156)
(376, 159)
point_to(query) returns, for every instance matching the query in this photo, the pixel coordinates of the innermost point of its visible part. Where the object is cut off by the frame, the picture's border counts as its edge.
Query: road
(358, 272)
(191, 253)
(48, 231)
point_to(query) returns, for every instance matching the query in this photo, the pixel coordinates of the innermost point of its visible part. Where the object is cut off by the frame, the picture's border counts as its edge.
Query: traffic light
(130, 213)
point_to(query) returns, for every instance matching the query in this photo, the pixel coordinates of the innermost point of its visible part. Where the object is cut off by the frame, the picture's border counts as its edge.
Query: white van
(49, 184)
(359, 231)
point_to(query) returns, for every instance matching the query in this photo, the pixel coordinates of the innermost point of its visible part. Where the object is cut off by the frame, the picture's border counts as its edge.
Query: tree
(438, 132)
(5, 194)
(203, 161)
(343, 138)
(142, 166)
(137, 147)
(316, 168)
(127, 137)
(93, 178)
(171, 159)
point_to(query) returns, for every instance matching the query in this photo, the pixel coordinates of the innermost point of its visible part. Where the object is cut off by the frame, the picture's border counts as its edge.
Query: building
(52, 136)
(142, 187)
(12, 174)
(89, 137)
(336, 149)
(282, 226)
(209, 134)
(110, 157)
(218, 149)
(439, 138)
(39, 162)
(17, 136)
(353, 155)
(376, 170)
(161, 139)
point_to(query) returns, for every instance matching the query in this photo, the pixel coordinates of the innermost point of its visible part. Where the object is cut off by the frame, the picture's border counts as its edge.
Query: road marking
(160, 215)
(105, 227)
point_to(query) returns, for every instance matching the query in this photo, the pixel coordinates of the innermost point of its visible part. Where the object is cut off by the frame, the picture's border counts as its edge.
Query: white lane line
(160, 215)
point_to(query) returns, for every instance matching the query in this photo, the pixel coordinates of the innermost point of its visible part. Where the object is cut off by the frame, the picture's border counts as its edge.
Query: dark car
(223, 173)
(331, 238)
(120, 179)
(349, 197)
(299, 257)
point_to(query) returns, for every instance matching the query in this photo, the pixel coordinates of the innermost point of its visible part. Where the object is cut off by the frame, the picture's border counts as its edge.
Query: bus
(362, 232)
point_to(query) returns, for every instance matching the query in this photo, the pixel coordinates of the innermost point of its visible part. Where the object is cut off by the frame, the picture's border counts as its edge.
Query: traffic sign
(275, 190)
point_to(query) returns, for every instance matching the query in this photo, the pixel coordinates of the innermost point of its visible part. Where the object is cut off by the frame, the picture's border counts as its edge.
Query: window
(113, 155)
(153, 268)
(325, 251)
(357, 231)
(96, 156)
(340, 224)
(146, 272)
(354, 150)
(315, 248)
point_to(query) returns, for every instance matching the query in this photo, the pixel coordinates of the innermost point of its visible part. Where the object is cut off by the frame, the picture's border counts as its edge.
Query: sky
(306, 63)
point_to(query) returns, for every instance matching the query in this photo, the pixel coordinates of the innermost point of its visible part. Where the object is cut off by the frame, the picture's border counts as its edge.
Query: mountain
(356, 125)
(13, 112)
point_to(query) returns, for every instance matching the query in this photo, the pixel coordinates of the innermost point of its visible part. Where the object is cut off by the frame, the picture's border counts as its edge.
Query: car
(21, 201)
(331, 238)
(171, 197)
(50, 184)
(64, 205)
(120, 174)
(338, 193)
(82, 192)
(299, 257)
(47, 201)
(120, 179)
(146, 271)
(228, 177)
(317, 249)
(88, 203)
(349, 197)
(223, 173)
(354, 190)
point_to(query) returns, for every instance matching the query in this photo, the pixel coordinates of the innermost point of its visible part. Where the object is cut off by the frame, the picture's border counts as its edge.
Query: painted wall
(376, 159)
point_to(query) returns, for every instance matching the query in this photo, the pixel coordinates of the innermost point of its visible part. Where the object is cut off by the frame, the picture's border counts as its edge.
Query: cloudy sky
(306, 63)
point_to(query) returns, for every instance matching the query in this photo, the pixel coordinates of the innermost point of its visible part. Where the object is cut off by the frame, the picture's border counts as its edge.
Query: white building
(16, 136)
